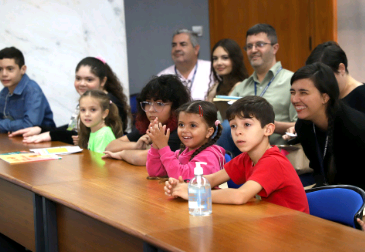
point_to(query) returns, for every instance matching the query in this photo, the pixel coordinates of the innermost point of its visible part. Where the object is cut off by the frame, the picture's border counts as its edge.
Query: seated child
(22, 102)
(90, 73)
(261, 167)
(198, 130)
(99, 121)
(158, 99)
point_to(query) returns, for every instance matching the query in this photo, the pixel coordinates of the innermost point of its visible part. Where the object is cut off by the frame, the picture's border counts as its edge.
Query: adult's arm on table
(135, 157)
(120, 144)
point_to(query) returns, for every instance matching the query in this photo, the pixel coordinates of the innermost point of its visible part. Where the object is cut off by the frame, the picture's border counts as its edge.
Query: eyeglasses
(157, 106)
(259, 44)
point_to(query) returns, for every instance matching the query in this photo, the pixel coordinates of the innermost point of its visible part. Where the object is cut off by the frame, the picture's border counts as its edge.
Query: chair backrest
(230, 183)
(339, 203)
(134, 104)
(227, 157)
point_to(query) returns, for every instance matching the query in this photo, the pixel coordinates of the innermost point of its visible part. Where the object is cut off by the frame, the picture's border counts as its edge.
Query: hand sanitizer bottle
(200, 199)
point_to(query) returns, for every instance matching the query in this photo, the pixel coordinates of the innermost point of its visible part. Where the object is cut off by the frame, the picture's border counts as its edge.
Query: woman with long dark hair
(332, 133)
(227, 68)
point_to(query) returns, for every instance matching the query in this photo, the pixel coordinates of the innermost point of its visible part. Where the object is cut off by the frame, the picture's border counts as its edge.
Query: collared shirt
(278, 95)
(201, 82)
(26, 107)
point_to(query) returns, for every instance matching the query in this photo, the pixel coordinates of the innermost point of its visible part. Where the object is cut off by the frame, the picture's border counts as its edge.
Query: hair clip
(101, 59)
(217, 122)
(200, 111)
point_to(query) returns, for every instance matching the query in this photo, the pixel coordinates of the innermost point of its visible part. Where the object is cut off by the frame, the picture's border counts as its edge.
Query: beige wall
(351, 35)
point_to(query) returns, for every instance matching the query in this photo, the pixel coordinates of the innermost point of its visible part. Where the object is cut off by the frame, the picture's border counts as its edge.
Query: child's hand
(75, 140)
(157, 134)
(153, 123)
(361, 223)
(44, 137)
(142, 142)
(26, 132)
(176, 188)
(115, 155)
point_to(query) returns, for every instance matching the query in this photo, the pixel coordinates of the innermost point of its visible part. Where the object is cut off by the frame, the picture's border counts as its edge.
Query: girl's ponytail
(114, 86)
(114, 121)
(217, 133)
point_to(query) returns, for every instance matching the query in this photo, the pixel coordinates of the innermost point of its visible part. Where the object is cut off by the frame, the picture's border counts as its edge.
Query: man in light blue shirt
(22, 102)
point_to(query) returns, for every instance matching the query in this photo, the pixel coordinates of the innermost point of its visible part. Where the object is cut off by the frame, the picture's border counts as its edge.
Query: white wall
(54, 35)
(351, 35)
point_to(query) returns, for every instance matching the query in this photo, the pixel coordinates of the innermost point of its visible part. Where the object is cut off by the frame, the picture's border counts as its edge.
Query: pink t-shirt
(165, 162)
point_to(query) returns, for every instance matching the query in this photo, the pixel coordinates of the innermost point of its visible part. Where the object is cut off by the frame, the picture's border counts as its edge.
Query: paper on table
(61, 150)
(15, 152)
(28, 157)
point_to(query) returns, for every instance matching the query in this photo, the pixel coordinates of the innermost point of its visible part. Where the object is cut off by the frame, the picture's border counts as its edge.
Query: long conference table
(85, 203)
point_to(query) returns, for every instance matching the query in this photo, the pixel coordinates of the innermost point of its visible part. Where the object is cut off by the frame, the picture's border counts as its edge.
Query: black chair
(338, 203)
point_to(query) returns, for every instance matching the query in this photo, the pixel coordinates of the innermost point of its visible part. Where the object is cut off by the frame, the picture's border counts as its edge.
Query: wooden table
(108, 205)
(18, 218)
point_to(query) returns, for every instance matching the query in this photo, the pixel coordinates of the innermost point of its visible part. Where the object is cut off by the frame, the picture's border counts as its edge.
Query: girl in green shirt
(99, 122)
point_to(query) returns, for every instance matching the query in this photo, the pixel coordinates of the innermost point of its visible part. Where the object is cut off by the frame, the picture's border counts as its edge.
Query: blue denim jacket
(26, 107)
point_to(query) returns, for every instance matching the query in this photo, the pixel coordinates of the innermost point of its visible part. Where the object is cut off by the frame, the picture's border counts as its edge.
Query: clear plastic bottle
(200, 199)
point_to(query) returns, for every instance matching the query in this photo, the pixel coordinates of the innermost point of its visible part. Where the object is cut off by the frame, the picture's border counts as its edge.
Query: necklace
(321, 159)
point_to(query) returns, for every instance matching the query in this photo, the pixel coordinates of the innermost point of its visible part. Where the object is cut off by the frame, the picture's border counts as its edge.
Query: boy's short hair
(252, 106)
(13, 53)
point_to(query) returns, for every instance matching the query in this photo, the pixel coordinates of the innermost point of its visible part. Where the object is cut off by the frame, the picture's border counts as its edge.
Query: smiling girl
(198, 130)
(227, 67)
(158, 99)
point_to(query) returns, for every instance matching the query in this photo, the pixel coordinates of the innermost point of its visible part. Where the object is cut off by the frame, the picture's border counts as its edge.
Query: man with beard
(269, 81)
(194, 73)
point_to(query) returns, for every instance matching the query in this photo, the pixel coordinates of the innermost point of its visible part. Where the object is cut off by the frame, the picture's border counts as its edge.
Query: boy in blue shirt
(22, 102)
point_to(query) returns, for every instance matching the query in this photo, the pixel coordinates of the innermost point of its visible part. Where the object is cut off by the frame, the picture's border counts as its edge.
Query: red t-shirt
(280, 182)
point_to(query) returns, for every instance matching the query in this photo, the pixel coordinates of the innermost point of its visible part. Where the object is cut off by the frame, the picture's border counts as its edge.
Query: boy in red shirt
(261, 167)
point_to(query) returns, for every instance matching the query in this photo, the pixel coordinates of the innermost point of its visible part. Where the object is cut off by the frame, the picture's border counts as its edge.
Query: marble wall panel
(54, 35)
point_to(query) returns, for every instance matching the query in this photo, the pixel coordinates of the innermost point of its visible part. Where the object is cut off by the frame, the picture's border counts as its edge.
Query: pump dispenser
(200, 200)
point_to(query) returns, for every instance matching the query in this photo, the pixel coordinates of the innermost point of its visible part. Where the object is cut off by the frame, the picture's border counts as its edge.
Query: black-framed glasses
(157, 106)
(259, 44)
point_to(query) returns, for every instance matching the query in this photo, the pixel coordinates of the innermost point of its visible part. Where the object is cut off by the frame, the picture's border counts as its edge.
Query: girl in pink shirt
(198, 130)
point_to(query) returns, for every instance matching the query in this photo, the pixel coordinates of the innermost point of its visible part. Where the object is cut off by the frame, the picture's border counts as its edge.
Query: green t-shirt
(278, 95)
(100, 139)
